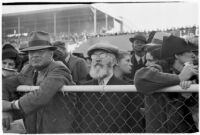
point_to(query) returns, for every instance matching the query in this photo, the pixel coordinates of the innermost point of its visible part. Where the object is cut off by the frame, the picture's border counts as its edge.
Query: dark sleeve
(9, 87)
(53, 83)
(82, 70)
(148, 81)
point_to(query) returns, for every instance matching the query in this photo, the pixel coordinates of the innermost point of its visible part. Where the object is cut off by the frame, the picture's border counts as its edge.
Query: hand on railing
(187, 72)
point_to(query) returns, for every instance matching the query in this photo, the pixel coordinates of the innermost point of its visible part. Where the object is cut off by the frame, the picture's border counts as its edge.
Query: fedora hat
(138, 36)
(107, 47)
(174, 45)
(38, 40)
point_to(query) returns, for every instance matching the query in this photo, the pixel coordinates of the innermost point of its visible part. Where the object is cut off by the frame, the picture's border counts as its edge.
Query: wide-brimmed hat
(107, 47)
(157, 38)
(174, 45)
(138, 36)
(38, 40)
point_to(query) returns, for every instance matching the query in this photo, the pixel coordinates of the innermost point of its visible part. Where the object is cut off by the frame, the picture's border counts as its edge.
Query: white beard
(99, 71)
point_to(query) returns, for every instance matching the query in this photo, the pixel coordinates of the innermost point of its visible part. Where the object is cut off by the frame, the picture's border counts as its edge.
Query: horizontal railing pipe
(109, 88)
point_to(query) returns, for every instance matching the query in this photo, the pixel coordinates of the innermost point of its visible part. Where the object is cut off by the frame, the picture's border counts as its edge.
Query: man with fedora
(138, 53)
(103, 56)
(76, 65)
(46, 110)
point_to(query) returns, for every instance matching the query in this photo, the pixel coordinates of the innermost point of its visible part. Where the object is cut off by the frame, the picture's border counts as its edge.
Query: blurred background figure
(23, 55)
(76, 65)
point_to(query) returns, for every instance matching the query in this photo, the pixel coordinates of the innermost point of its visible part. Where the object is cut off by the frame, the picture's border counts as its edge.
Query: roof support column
(121, 26)
(95, 19)
(54, 24)
(18, 25)
(106, 19)
(68, 19)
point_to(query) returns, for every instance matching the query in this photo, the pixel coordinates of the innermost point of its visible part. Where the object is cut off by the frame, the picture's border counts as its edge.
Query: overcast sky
(137, 16)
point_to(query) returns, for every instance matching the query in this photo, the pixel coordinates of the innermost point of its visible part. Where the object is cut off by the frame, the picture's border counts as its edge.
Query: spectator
(123, 66)
(45, 110)
(168, 108)
(23, 55)
(103, 57)
(138, 53)
(76, 65)
(10, 60)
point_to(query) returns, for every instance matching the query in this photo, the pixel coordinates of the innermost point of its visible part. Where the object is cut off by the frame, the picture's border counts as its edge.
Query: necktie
(101, 82)
(35, 75)
(140, 61)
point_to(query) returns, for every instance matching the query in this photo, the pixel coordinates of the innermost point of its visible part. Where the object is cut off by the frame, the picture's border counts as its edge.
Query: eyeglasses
(99, 55)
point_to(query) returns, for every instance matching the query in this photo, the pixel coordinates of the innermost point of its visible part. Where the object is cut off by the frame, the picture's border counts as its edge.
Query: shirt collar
(106, 80)
(138, 58)
(67, 58)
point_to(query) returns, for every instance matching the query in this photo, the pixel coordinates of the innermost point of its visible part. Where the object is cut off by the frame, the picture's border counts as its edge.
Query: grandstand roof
(31, 9)
(134, 15)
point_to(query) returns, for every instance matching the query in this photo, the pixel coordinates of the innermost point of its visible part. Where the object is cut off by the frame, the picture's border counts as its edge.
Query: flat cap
(107, 47)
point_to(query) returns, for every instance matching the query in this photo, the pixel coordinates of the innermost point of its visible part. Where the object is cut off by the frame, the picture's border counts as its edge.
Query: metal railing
(108, 88)
(121, 109)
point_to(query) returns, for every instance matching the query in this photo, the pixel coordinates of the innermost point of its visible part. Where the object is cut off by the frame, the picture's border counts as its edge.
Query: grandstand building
(70, 20)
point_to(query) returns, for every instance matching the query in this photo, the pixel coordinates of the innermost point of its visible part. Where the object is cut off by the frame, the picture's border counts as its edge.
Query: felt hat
(138, 36)
(38, 40)
(174, 45)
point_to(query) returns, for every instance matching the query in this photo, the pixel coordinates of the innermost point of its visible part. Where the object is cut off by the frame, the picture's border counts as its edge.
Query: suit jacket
(78, 68)
(135, 65)
(45, 110)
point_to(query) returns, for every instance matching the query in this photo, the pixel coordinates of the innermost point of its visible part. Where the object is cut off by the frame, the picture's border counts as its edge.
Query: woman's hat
(39, 40)
(174, 45)
(9, 52)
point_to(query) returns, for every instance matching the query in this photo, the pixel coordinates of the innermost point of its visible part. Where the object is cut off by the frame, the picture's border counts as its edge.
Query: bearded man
(103, 56)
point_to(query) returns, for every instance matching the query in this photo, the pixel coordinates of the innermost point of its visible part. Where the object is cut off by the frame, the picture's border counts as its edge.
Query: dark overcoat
(164, 112)
(78, 68)
(46, 110)
(135, 65)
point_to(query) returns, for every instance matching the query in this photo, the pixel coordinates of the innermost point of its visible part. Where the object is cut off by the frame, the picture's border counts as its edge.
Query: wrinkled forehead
(98, 52)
